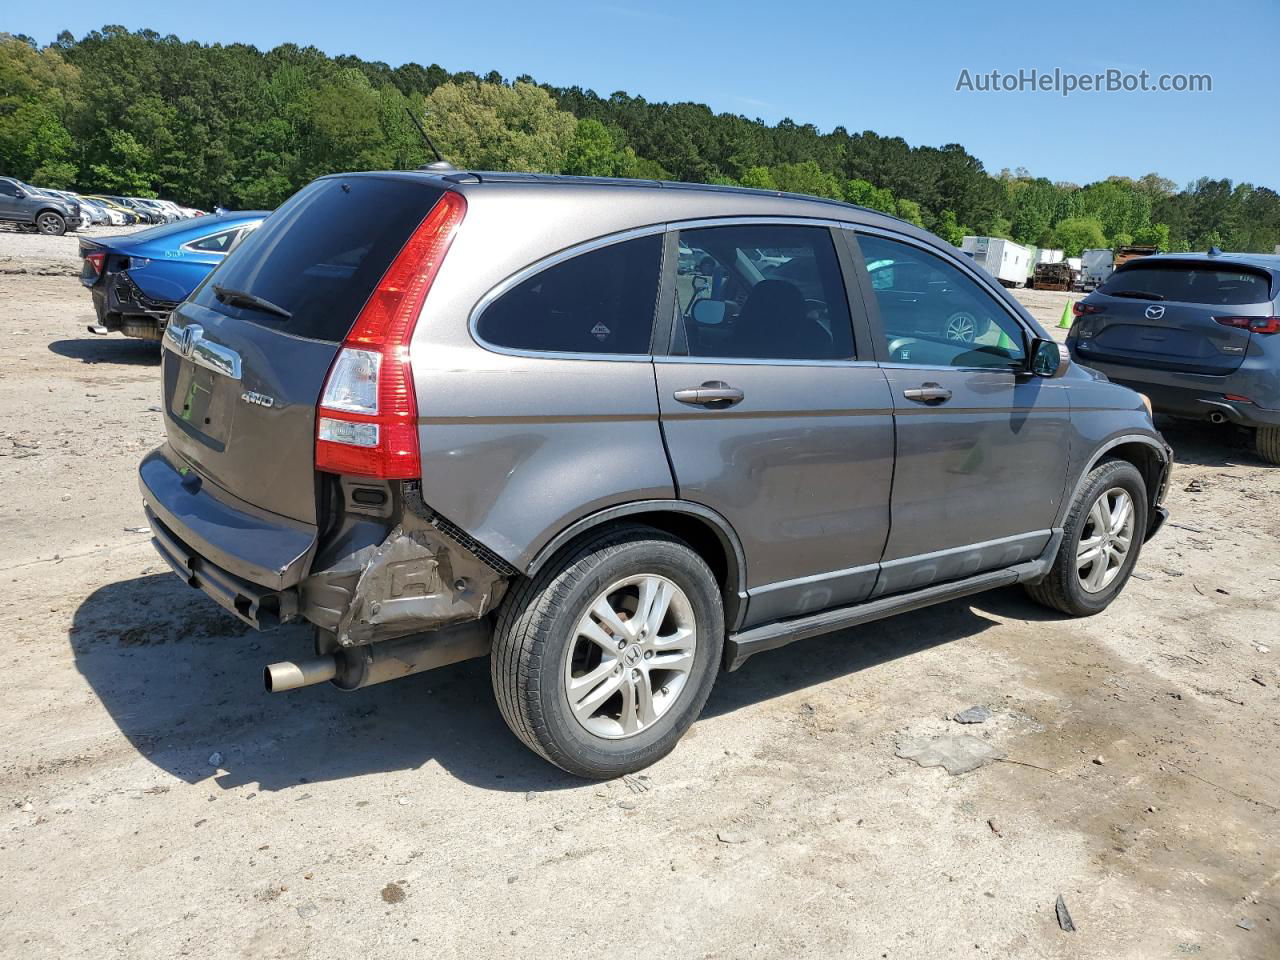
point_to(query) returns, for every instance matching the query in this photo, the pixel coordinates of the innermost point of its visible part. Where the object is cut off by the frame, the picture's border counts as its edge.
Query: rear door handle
(714, 393)
(930, 393)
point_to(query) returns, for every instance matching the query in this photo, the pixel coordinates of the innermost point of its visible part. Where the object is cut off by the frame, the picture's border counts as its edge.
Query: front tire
(1101, 541)
(51, 224)
(603, 660)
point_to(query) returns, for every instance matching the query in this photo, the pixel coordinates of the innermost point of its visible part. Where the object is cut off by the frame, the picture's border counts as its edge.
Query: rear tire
(1075, 586)
(547, 652)
(1266, 440)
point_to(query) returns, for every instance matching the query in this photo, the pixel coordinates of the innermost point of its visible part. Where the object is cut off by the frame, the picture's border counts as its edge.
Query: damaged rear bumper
(365, 581)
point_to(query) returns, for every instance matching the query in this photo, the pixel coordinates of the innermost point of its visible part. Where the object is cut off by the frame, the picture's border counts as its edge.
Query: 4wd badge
(600, 331)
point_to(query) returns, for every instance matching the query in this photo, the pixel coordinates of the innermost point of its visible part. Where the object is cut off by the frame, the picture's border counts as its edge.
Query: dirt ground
(156, 803)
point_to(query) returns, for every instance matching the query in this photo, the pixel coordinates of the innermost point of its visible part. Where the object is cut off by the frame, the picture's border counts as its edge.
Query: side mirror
(708, 313)
(1048, 358)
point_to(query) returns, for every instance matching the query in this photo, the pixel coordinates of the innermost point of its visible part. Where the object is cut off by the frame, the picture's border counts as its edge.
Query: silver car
(452, 415)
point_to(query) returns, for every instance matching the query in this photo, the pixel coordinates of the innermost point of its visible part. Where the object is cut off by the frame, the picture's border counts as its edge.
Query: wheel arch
(1151, 458)
(707, 532)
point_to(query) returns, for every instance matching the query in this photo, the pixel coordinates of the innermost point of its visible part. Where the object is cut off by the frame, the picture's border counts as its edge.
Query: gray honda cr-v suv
(447, 415)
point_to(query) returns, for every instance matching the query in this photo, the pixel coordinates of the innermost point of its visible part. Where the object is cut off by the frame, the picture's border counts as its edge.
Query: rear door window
(763, 292)
(320, 255)
(1187, 283)
(600, 301)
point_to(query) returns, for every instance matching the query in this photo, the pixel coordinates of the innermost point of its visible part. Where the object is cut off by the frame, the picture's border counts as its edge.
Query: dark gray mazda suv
(1198, 333)
(451, 415)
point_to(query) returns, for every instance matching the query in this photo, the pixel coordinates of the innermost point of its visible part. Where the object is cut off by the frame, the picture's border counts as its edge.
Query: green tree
(39, 92)
(864, 194)
(760, 178)
(910, 211)
(593, 152)
(949, 229)
(1154, 234)
(1077, 234)
(806, 177)
(489, 126)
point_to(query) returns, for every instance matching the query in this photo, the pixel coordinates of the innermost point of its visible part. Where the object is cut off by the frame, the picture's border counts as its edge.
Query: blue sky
(888, 67)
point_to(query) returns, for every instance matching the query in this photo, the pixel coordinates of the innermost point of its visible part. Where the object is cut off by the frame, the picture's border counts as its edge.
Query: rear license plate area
(203, 403)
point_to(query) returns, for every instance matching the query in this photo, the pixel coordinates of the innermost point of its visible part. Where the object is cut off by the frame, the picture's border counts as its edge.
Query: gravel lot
(157, 803)
(35, 253)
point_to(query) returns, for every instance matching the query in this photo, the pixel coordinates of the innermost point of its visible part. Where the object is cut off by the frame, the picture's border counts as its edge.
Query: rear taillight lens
(96, 260)
(1252, 324)
(1081, 309)
(367, 423)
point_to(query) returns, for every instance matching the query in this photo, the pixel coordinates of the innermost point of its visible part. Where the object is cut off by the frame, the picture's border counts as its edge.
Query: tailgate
(1166, 314)
(1169, 336)
(246, 356)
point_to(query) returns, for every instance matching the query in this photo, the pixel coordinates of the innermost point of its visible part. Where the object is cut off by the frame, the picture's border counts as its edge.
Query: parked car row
(54, 212)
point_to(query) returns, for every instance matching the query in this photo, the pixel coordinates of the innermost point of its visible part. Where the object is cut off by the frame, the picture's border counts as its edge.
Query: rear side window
(601, 301)
(1188, 284)
(218, 243)
(320, 255)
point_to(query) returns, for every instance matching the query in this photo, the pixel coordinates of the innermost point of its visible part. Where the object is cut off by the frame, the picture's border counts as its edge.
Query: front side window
(8, 189)
(600, 301)
(762, 292)
(934, 314)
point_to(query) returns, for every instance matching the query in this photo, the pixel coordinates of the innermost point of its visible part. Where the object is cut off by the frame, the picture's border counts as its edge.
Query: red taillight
(1080, 308)
(96, 260)
(367, 419)
(1252, 324)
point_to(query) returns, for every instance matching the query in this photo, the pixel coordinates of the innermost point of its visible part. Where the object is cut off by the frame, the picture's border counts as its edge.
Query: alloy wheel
(630, 656)
(961, 327)
(48, 223)
(1105, 540)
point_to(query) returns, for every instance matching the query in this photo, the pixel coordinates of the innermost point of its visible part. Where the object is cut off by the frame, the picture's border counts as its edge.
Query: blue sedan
(136, 279)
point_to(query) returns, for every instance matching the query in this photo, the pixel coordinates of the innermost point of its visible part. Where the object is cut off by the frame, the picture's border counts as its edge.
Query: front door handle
(714, 393)
(930, 393)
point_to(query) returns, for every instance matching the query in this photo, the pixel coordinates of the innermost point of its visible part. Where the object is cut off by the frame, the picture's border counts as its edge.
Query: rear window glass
(601, 301)
(320, 255)
(1188, 284)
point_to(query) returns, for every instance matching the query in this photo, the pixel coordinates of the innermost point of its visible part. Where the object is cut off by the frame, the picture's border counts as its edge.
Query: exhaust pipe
(1217, 417)
(290, 674)
(351, 668)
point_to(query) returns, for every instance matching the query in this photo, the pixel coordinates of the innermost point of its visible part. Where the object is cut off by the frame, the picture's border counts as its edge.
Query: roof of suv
(666, 199)
(1263, 261)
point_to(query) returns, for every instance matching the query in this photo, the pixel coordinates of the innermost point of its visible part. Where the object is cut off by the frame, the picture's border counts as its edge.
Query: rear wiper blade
(240, 298)
(1136, 295)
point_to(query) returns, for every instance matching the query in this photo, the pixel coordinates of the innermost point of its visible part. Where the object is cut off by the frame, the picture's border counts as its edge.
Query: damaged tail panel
(416, 579)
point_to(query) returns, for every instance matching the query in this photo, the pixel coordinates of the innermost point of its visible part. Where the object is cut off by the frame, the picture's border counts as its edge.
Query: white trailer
(1097, 264)
(1049, 256)
(1008, 262)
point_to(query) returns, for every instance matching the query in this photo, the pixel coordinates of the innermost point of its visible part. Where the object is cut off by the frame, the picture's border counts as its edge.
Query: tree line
(203, 124)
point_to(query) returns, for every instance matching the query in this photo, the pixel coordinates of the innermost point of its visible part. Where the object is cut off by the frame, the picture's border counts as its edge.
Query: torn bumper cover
(265, 569)
(417, 579)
